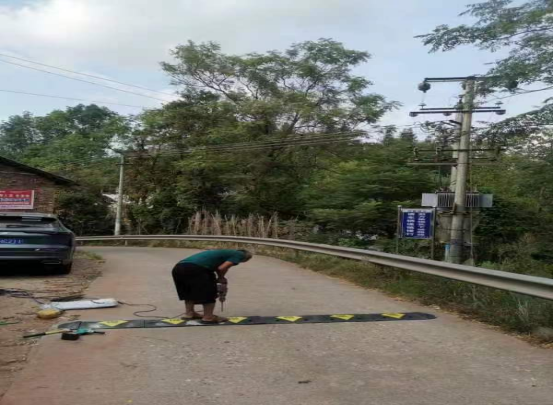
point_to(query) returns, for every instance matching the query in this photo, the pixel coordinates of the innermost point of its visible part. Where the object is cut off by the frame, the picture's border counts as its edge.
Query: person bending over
(197, 276)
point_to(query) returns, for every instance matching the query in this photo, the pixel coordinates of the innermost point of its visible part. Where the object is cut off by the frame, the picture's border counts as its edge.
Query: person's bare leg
(189, 305)
(208, 311)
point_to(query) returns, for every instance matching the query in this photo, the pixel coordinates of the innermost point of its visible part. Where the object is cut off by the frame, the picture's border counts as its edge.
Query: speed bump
(251, 320)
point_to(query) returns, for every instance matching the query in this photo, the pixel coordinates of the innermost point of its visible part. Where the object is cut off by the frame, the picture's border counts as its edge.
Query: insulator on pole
(423, 86)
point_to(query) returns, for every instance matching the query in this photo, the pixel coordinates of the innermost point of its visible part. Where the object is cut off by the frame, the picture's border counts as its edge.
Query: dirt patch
(14, 350)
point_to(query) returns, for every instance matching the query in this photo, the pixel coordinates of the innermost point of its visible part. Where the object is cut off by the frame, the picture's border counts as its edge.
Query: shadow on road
(18, 269)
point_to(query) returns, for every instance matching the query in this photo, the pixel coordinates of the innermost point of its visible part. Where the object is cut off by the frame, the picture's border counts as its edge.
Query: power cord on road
(22, 293)
(154, 308)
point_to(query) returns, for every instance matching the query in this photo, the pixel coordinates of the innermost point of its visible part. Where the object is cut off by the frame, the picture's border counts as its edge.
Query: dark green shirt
(212, 259)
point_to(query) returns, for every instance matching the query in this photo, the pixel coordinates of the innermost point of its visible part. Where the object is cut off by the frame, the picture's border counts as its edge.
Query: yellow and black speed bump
(250, 320)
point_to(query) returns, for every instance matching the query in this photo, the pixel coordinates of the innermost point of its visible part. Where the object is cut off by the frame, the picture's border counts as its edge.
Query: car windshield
(28, 222)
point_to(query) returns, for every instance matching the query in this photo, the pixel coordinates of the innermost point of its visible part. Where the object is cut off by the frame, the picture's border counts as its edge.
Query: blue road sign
(417, 223)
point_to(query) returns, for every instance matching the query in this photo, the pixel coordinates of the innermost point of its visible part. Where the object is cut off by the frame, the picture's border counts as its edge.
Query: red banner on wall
(17, 199)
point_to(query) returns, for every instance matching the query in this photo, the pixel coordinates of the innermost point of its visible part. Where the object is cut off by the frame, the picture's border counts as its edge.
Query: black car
(36, 238)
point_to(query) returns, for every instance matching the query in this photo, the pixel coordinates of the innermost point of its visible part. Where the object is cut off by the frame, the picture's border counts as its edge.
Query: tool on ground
(2, 323)
(222, 293)
(76, 334)
(49, 332)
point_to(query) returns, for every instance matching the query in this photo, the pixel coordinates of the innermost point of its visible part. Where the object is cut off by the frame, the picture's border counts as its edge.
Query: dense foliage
(76, 143)
(262, 99)
(281, 111)
(525, 30)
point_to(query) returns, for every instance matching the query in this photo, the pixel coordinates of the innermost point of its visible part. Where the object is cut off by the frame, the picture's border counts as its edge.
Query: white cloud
(135, 33)
(126, 39)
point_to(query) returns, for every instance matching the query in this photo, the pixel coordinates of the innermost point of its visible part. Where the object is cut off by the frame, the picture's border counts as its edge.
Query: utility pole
(454, 169)
(461, 148)
(455, 146)
(118, 213)
(460, 192)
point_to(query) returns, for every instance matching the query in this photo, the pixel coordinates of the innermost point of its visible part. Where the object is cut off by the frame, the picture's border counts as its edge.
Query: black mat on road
(250, 320)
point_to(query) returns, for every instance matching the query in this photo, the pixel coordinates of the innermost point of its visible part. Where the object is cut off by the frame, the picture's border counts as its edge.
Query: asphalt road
(446, 361)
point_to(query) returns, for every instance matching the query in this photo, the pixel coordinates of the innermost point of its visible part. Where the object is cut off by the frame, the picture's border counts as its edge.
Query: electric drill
(222, 293)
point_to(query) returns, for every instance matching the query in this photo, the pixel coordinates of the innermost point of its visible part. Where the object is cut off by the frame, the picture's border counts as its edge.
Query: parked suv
(36, 238)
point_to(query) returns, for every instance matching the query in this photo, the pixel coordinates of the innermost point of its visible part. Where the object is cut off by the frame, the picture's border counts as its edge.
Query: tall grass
(254, 225)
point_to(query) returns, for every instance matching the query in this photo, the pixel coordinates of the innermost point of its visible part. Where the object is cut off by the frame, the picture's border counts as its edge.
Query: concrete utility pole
(118, 213)
(455, 146)
(453, 177)
(458, 215)
(460, 167)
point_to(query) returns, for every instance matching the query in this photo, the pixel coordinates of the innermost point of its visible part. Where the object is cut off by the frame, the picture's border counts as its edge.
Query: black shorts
(195, 283)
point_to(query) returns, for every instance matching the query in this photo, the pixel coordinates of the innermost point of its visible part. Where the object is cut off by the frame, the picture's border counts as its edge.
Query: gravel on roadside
(14, 349)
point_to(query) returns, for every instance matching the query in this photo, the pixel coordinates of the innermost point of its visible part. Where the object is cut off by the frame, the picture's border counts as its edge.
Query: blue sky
(126, 39)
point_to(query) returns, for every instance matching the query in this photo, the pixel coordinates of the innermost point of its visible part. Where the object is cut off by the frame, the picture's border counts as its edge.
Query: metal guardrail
(519, 283)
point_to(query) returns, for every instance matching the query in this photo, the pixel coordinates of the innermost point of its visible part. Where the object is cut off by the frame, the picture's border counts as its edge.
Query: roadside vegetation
(84, 254)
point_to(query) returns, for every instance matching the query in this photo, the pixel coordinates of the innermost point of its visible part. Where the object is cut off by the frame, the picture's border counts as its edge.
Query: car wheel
(64, 268)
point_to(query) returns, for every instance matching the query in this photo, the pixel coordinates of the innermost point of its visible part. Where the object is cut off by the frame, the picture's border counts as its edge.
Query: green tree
(522, 185)
(77, 143)
(524, 30)
(69, 142)
(85, 212)
(408, 136)
(361, 196)
(307, 89)
(17, 134)
(388, 135)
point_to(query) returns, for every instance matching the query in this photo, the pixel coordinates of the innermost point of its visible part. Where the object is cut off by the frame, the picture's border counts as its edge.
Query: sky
(125, 40)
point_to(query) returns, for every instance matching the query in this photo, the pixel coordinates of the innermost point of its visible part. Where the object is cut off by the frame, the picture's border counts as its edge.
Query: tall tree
(307, 89)
(522, 185)
(66, 141)
(17, 134)
(525, 30)
(75, 142)
(361, 195)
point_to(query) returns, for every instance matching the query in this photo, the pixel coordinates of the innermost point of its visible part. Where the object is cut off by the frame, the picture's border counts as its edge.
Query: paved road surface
(446, 361)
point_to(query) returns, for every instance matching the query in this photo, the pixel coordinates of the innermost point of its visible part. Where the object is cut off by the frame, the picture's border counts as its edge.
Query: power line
(252, 148)
(83, 163)
(69, 98)
(290, 138)
(297, 141)
(88, 75)
(522, 93)
(237, 146)
(84, 81)
(227, 148)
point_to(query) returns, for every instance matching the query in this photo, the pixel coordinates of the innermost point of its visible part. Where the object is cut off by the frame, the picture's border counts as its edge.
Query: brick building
(28, 189)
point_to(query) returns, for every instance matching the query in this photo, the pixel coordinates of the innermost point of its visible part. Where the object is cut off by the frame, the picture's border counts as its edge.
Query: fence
(519, 283)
